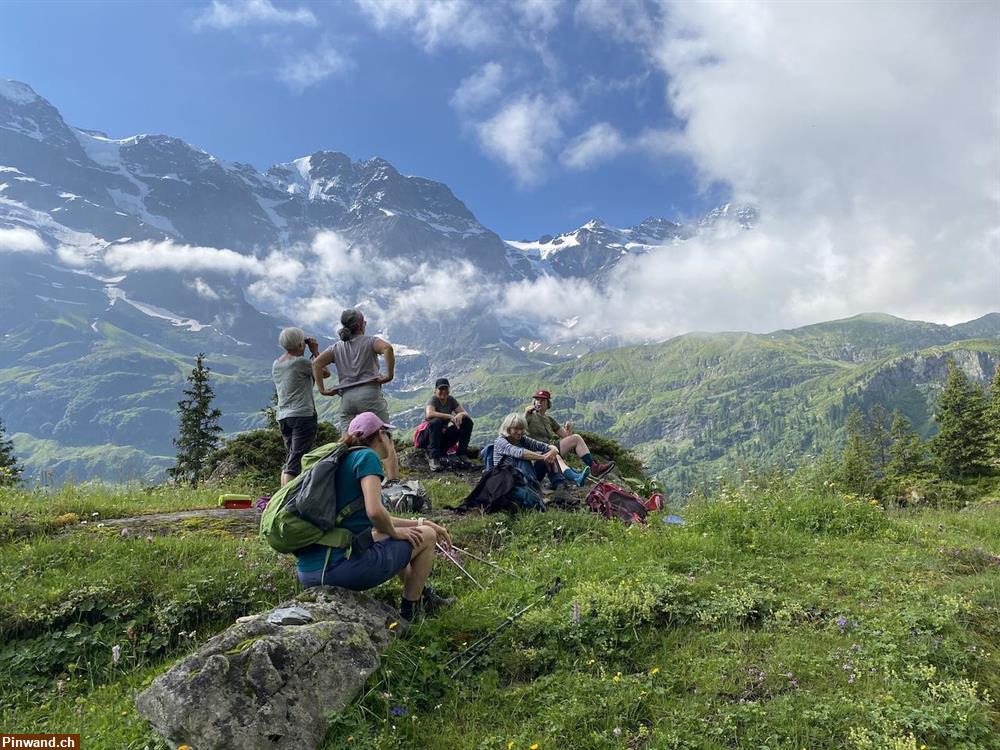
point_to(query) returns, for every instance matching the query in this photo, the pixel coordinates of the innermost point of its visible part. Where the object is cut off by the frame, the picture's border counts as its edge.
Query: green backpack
(304, 511)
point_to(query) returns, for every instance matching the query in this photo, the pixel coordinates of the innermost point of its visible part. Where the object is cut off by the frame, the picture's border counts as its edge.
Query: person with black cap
(543, 427)
(448, 424)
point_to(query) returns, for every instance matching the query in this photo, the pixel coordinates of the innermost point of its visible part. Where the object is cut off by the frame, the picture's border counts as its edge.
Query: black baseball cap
(442, 383)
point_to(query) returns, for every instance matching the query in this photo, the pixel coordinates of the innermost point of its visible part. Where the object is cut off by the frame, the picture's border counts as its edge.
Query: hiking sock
(409, 610)
(578, 477)
(587, 459)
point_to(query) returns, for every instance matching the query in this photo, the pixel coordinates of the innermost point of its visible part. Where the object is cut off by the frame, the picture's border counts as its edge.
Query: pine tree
(199, 426)
(878, 434)
(961, 447)
(10, 467)
(907, 453)
(270, 412)
(993, 416)
(856, 460)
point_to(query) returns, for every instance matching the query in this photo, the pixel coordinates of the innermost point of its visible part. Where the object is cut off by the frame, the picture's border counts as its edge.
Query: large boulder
(271, 680)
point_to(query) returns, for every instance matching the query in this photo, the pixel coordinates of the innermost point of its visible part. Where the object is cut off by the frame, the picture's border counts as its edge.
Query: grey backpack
(406, 497)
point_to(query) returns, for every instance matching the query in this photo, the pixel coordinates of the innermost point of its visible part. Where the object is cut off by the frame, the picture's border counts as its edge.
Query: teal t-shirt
(353, 467)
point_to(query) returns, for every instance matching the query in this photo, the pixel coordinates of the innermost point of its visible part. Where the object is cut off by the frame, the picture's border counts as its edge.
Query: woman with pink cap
(384, 546)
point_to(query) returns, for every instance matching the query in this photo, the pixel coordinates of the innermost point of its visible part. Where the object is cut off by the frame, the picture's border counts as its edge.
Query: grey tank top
(356, 361)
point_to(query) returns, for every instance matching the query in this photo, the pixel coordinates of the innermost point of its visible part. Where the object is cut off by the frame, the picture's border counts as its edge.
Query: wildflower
(576, 612)
(617, 677)
(842, 623)
(653, 671)
(617, 731)
(393, 625)
(510, 744)
(399, 711)
(591, 661)
(534, 747)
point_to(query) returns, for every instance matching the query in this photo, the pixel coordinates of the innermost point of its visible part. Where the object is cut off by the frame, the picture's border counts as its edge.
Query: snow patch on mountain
(115, 294)
(17, 92)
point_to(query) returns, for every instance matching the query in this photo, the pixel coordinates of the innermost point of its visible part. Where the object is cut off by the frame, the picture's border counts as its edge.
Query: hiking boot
(435, 464)
(577, 477)
(431, 601)
(599, 469)
(410, 611)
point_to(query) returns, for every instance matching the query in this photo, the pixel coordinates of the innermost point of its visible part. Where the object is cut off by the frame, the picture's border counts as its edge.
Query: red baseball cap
(543, 394)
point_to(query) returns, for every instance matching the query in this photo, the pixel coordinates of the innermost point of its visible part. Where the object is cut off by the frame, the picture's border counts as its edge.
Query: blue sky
(219, 77)
(866, 133)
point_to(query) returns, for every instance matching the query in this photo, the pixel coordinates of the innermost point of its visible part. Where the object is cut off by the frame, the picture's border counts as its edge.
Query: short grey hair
(291, 338)
(511, 421)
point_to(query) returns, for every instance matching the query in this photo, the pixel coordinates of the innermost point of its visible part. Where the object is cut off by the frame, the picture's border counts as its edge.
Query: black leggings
(442, 434)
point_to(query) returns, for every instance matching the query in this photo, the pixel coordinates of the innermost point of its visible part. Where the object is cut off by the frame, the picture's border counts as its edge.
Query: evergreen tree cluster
(886, 447)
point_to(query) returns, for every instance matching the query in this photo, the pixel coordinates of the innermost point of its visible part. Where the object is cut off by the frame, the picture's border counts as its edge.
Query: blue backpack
(486, 454)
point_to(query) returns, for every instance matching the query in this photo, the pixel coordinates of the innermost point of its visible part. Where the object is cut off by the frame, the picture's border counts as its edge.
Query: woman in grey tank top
(359, 381)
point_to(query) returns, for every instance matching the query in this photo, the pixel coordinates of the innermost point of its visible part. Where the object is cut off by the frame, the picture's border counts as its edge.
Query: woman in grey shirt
(296, 414)
(359, 380)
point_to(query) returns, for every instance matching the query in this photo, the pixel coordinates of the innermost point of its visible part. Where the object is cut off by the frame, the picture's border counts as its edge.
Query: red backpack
(612, 501)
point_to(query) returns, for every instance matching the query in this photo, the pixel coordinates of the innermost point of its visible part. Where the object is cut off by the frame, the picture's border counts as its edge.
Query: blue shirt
(353, 467)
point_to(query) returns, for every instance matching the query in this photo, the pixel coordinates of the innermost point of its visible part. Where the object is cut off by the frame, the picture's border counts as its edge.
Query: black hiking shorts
(299, 434)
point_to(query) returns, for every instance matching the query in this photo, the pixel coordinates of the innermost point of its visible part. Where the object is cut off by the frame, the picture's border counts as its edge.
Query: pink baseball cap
(366, 424)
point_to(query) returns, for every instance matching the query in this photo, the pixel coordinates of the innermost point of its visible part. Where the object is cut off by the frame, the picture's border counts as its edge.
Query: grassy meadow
(783, 614)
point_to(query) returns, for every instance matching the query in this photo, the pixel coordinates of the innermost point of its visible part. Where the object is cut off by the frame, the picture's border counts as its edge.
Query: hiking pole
(458, 565)
(491, 564)
(491, 636)
(478, 648)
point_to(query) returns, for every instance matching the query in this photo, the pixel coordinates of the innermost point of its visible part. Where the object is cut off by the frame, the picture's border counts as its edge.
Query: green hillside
(702, 403)
(759, 623)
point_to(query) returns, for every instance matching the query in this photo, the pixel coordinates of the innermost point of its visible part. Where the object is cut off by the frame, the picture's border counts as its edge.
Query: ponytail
(353, 440)
(351, 321)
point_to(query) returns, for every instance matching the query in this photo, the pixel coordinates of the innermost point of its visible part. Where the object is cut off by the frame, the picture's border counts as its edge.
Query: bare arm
(319, 367)
(385, 349)
(371, 488)
(403, 529)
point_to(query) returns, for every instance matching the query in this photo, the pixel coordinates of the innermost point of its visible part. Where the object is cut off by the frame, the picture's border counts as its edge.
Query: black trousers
(443, 434)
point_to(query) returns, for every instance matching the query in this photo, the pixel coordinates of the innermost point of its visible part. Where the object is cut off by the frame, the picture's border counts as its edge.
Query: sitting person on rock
(544, 428)
(513, 445)
(448, 424)
(385, 546)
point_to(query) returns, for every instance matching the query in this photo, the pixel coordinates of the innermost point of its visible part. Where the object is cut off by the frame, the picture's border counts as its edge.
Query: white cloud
(523, 133)
(875, 160)
(203, 289)
(480, 88)
(437, 23)
(601, 142)
(303, 69)
(629, 21)
(21, 240)
(228, 15)
(170, 256)
(437, 291)
(542, 15)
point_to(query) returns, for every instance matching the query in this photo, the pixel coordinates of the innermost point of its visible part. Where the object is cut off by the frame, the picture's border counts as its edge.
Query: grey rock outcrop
(270, 680)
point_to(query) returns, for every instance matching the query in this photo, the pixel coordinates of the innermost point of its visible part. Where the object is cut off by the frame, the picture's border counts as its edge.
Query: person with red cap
(384, 546)
(544, 428)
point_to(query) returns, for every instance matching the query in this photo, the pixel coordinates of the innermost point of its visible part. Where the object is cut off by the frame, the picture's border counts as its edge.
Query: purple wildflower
(399, 711)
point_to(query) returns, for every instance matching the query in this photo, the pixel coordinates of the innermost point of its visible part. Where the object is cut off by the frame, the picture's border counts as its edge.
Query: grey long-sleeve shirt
(503, 447)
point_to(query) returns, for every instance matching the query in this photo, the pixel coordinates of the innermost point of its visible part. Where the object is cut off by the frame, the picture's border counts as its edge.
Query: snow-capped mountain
(121, 258)
(593, 249)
